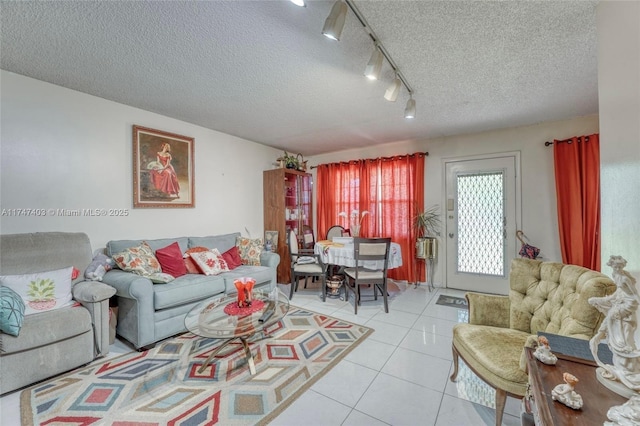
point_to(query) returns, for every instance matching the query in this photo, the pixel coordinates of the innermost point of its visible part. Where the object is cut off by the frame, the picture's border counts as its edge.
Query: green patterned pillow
(249, 250)
(11, 311)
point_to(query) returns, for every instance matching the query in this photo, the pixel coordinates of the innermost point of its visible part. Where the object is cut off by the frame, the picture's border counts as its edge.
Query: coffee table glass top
(208, 319)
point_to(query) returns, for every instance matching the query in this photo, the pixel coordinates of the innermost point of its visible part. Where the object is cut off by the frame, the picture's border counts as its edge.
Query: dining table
(340, 252)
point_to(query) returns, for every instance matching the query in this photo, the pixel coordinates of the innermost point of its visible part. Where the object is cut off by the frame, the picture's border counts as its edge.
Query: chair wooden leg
(455, 364)
(323, 282)
(356, 295)
(501, 400)
(293, 285)
(383, 290)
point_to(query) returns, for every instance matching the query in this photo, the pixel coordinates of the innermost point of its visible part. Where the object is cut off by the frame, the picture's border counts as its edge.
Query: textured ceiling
(262, 71)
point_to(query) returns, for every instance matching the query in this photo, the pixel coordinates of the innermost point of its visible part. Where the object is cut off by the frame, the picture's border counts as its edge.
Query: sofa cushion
(249, 250)
(171, 260)
(221, 242)
(186, 289)
(49, 327)
(116, 246)
(139, 260)
(494, 353)
(11, 311)
(42, 291)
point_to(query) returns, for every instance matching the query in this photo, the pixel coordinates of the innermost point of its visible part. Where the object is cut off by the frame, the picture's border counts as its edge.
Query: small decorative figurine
(565, 394)
(627, 414)
(618, 330)
(543, 352)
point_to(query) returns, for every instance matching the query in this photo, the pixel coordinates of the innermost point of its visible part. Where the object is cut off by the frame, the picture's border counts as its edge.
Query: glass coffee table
(209, 319)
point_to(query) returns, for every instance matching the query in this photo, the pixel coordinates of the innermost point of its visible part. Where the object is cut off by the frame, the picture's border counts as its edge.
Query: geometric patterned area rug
(162, 386)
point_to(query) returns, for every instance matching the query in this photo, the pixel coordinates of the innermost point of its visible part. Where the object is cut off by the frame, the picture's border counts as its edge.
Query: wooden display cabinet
(287, 206)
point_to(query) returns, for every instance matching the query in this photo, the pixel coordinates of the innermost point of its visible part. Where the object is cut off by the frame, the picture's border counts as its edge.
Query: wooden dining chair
(305, 264)
(308, 238)
(336, 231)
(368, 249)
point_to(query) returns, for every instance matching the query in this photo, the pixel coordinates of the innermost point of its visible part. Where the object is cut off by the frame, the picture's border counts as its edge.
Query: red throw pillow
(189, 263)
(170, 259)
(232, 257)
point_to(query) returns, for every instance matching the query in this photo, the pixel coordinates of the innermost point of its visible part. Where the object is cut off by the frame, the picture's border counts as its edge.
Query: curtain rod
(569, 141)
(426, 154)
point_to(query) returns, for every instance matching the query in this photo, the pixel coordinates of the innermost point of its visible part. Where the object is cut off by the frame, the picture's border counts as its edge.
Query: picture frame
(163, 169)
(271, 240)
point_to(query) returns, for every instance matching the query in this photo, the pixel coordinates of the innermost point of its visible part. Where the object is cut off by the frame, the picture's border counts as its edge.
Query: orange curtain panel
(391, 189)
(577, 170)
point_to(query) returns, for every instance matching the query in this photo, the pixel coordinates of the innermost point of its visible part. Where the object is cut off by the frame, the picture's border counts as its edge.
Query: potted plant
(428, 225)
(290, 161)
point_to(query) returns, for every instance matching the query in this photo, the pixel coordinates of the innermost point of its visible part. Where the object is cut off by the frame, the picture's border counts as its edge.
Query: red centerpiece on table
(245, 304)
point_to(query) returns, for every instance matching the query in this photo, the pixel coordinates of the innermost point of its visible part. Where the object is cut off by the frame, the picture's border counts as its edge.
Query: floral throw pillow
(139, 260)
(189, 263)
(210, 262)
(42, 291)
(249, 250)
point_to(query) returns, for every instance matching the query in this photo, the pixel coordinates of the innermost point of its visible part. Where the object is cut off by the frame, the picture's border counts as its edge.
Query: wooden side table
(547, 412)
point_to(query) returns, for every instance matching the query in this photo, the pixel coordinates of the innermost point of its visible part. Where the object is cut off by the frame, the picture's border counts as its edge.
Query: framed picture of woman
(163, 169)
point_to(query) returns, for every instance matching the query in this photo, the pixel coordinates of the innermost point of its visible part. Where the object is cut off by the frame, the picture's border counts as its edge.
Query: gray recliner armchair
(59, 340)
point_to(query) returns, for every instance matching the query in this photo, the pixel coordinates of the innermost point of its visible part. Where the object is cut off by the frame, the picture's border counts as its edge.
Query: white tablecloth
(342, 254)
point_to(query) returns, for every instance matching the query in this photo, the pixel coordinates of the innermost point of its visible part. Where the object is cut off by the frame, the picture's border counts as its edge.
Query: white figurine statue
(566, 394)
(618, 328)
(543, 352)
(627, 414)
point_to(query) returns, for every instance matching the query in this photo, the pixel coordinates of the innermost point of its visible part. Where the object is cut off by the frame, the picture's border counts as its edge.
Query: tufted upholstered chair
(543, 296)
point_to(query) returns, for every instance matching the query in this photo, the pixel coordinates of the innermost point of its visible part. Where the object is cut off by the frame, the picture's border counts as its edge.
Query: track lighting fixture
(410, 110)
(333, 29)
(335, 21)
(372, 71)
(300, 3)
(392, 92)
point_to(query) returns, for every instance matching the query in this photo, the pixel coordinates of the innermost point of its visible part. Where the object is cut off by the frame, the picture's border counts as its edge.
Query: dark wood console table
(547, 412)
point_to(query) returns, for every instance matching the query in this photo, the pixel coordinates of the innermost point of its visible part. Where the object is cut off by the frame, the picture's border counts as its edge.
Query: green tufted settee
(543, 296)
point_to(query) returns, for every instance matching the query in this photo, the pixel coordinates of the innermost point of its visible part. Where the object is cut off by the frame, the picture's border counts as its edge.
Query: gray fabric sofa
(148, 313)
(59, 340)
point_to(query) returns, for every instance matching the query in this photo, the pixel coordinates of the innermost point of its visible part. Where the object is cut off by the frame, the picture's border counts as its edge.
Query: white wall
(619, 101)
(63, 149)
(539, 217)
(619, 98)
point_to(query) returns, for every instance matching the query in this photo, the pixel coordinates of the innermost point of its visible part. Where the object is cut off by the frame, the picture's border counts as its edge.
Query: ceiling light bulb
(300, 3)
(410, 110)
(372, 71)
(392, 92)
(335, 21)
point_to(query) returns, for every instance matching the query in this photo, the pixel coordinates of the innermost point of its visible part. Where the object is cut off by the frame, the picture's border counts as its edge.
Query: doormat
(163, 386)
(452, 301)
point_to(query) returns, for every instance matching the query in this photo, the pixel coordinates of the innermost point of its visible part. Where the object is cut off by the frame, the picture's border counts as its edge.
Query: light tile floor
(398, 376)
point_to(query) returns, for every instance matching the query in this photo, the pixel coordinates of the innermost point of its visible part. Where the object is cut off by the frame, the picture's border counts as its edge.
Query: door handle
(450, 235)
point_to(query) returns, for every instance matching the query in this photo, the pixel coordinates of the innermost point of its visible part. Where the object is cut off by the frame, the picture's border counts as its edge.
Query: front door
(482, 212)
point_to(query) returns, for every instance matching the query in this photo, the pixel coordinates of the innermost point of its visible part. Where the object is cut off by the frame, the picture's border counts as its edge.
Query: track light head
(410, 110)
(300, 3)
(392, 92)
(372, 71)
(335, 21)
